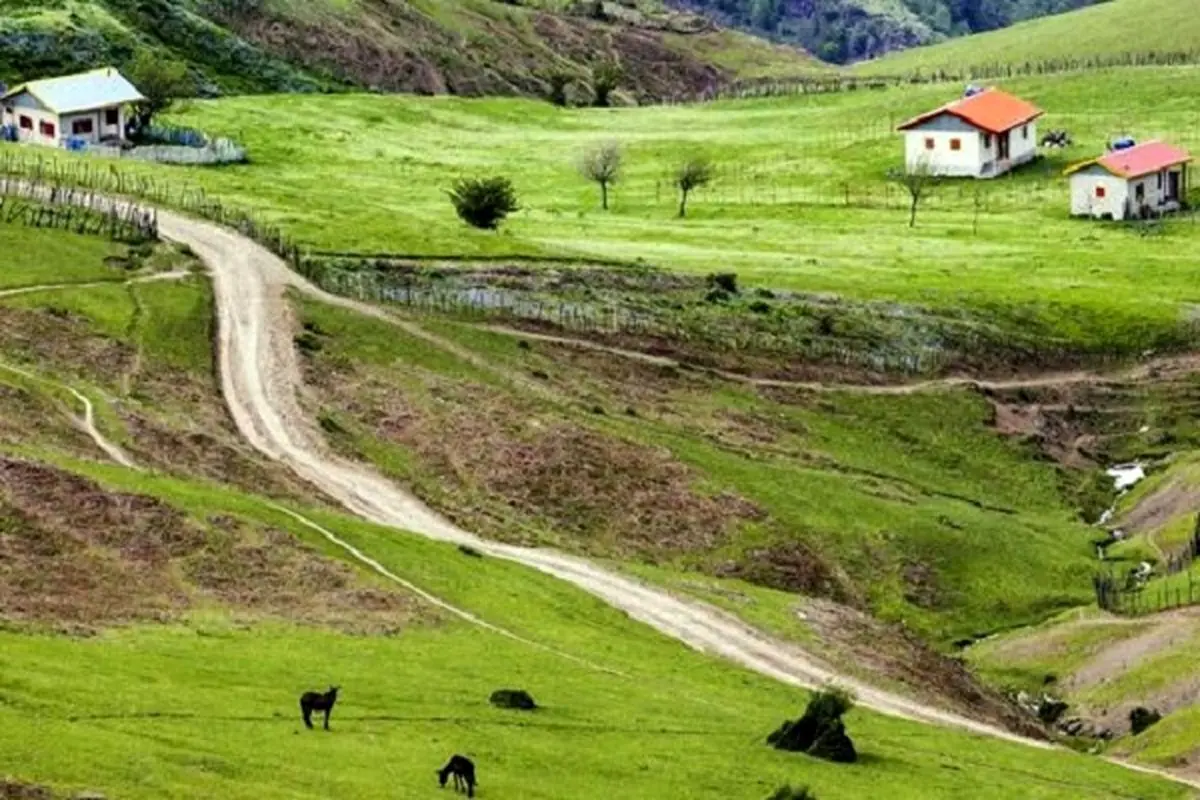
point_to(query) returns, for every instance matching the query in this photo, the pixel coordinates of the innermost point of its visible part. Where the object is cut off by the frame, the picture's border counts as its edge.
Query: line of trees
(486, 202)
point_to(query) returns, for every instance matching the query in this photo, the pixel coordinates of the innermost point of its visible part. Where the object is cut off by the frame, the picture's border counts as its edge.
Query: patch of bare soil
(496, 457)
(76, 557)
(14, 790)
(790, 565)
(393, 46)
(881, 649)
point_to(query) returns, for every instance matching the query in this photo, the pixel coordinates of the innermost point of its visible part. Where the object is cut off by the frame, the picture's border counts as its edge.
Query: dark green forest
(842, 31)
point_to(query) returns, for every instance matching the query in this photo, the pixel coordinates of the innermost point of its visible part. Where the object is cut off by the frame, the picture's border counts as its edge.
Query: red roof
(1134, 162)
(991, 110)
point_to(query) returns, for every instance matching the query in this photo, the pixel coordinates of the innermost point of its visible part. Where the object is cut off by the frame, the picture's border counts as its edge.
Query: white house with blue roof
(90, 107)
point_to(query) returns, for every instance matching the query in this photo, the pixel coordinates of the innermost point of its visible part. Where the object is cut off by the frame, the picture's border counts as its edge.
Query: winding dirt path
(260, 376)
(1167, 365)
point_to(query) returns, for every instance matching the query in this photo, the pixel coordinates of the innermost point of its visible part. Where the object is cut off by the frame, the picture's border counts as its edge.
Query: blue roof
(99, 88)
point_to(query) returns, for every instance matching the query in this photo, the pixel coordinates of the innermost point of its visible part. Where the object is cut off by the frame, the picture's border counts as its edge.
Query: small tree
(693, 174)
(602, 166)
(558, 83)
(605, 80)
(484, 202)
(161, 81)
(918, 180)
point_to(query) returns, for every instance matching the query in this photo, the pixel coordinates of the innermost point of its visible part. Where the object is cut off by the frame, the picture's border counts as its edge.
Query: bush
(1142, 718)
(484, 202)
(820, 732)
(788, 793)
(724, 280)
(518, 699)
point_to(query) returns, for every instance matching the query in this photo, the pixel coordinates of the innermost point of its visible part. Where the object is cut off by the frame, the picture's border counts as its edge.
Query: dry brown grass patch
(76, 557)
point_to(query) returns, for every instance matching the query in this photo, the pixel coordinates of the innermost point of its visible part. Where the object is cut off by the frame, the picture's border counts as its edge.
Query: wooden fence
(42, 205)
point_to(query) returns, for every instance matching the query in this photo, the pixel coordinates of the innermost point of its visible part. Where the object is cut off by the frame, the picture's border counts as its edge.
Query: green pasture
(1105, 30)
(800, 200)
(208, 708)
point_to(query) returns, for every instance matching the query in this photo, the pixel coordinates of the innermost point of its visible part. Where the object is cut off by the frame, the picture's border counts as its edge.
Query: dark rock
(518, 699)
(834, 745)
(1142, 718)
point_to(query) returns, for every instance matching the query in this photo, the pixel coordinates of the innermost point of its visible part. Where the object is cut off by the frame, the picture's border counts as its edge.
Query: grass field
(800, 185)
(209, 706)
(1103, 31)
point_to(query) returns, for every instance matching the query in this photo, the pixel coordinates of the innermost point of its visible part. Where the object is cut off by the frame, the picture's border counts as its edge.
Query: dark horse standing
(315, 701)
(463, 771)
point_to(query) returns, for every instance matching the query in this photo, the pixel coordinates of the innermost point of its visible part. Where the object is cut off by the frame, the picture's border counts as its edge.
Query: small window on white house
(112, 117)
(956, 144)
(1101, 192)
(1140, 191)
(987, 140)
(1025, 132)
(929, 143)
(1160, 181)
(26, 123)
(81, 127)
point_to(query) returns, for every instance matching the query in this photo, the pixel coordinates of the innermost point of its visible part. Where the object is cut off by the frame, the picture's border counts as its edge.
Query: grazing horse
(463, 770)
(315, 701)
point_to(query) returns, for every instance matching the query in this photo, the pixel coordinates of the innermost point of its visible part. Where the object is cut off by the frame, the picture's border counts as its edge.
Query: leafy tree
(602, 166)
(161, 81)
(484, 202)
(605, 80)
(918, 180)
(692, 174)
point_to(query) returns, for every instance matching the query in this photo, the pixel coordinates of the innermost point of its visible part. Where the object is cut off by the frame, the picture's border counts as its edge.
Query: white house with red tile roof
(1144, 180)
(982, 135)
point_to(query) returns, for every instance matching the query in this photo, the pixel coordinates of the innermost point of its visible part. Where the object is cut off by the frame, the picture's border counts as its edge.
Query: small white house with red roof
(986, 133)
(1131, 181)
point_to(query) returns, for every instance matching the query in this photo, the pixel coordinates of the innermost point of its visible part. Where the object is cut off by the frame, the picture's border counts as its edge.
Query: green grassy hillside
(1111, 32)
(165, 623)
(799, 183)
(468, 47)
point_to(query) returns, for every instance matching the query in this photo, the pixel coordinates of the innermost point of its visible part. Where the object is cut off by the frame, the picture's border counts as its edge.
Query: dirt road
(260, 376)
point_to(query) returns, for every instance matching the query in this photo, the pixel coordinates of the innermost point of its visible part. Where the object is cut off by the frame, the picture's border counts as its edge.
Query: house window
(1140, 191)
(956, 144)
(48, 130)
(987, 140)
(929, 143)
(1160, 181)
(1025, 132)
(26, 123)
(1101, 192)
(112, 117)
(81, 126)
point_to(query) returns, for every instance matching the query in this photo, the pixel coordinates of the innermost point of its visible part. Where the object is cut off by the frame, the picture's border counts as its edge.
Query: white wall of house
(933, 142)
(1124, 198)
(978, 152)
(32, 119)
(1096, 192)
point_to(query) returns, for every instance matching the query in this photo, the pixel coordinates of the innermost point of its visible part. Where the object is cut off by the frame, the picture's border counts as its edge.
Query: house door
(1002, 146)
(1173, 186)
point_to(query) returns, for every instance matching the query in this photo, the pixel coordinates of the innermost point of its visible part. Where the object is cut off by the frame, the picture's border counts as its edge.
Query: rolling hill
(466, 47)
(1113, 33)
(841, 31)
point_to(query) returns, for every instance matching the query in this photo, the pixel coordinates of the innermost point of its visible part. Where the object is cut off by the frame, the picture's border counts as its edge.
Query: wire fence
(1172, 584)
(828, 83)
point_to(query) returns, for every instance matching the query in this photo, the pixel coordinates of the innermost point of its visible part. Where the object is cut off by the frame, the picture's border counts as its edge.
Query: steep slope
(470, 47)
(850, 30)
(1116, 32)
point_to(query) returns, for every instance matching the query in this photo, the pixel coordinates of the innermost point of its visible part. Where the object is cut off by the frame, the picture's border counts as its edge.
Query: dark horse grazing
(463, 771)
(315, 701)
